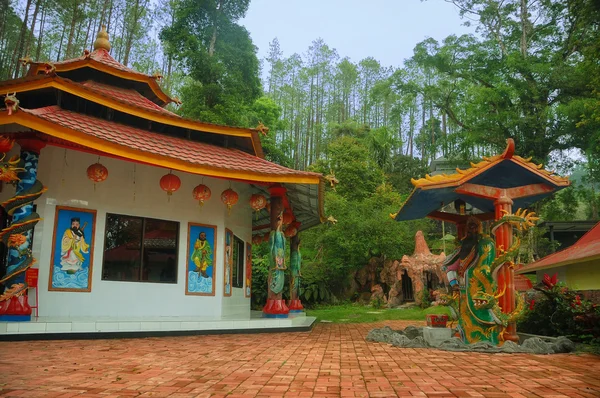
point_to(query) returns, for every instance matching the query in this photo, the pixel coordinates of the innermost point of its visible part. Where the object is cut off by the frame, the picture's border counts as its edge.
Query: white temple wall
(68, 185)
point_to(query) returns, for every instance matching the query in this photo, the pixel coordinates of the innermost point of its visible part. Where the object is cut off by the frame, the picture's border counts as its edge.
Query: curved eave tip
(510, 149)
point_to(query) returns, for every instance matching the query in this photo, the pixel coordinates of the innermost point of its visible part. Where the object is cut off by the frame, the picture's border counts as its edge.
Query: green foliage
(220, 58)
(561, 312)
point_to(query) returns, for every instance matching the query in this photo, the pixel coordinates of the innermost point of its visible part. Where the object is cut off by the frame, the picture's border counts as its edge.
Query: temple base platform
(56, 328)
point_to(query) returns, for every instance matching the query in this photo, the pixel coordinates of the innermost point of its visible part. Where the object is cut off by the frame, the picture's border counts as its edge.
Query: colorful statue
(471, 271)
(22, 172)
(277, 258)
(295, 265)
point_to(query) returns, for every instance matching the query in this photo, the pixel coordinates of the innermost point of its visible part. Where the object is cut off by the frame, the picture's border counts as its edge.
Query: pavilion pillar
(506, 276)
(275, 306)
(295, 264)
(24, 219)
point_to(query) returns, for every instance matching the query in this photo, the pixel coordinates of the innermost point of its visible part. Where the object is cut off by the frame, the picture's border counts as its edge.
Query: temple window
(138, 249)
(238, 263)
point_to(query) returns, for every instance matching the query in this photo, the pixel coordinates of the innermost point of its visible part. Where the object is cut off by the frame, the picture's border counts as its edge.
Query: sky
(386, 30)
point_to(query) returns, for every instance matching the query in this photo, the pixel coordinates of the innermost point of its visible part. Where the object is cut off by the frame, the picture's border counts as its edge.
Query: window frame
(239, 265)
(142, 249)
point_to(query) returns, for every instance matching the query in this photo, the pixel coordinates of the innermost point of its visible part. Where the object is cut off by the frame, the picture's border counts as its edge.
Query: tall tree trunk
(38, 51)
(524, 27)
(213, 39)
(20, 46)
(69, 51)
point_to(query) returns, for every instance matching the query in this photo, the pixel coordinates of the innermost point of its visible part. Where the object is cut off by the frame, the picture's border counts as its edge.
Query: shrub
(560, 311)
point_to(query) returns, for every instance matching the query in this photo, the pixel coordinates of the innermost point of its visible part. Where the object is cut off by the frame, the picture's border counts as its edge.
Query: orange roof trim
(462, 176)
(153, 148)
(128, 101)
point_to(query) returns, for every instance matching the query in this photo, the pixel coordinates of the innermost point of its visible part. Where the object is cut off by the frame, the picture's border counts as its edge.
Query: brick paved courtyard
(331, 361)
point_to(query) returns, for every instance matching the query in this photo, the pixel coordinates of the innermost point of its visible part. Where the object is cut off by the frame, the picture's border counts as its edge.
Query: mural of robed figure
(73, 246)
(202, 255)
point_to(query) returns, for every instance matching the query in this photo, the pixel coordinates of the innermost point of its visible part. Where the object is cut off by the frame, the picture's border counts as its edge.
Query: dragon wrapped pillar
(295, 265)
(21, 171)
(477, 265)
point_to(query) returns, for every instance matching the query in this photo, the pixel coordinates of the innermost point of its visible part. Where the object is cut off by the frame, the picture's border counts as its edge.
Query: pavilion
(102, 159)
(493, 187)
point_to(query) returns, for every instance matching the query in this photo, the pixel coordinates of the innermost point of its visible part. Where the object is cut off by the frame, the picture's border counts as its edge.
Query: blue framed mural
(200, 279)
(72, 259)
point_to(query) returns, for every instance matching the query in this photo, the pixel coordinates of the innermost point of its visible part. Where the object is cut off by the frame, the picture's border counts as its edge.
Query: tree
(219, 56)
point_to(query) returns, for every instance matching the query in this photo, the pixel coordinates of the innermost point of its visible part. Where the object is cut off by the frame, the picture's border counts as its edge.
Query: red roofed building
(578, 266)
(130, 210)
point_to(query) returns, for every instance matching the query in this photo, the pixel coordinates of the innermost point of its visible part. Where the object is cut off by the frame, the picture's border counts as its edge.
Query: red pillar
(504, 235)
(275, 306)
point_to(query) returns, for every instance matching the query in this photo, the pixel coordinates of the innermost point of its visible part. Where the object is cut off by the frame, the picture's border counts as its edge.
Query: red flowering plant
(559, 311)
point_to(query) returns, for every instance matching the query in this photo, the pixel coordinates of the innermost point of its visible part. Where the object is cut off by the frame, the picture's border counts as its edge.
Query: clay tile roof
(585, 249)
(102, 56)
(193, 152)
(129, 96)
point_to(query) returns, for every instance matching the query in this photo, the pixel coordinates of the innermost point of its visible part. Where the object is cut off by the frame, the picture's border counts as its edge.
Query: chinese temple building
(124, 212)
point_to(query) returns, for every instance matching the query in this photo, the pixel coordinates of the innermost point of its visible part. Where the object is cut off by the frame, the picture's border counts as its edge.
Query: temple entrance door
(407, 287)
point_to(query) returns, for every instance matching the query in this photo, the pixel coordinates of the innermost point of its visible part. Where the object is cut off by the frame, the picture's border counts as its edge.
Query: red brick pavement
(331, 361)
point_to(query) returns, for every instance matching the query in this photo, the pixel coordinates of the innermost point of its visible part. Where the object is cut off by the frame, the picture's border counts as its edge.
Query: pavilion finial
(510, 149)
(102, 40)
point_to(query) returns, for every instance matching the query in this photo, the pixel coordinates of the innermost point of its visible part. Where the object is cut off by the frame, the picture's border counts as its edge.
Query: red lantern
(97, 172)
(288, 217)
(6, 144)
(258, 202)
(265, 237)
(201, 193)
(170, 183)
(230, 198)
(257, 239)
(290, 231)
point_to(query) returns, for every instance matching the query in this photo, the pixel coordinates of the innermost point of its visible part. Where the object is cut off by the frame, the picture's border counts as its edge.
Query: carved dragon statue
(475, 304)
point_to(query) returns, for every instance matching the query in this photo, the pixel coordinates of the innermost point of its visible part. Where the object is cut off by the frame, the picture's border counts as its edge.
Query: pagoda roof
(587, 248)
(127, 101)
(527, 181)
(153, 148)
(65, 128)
(102, 61)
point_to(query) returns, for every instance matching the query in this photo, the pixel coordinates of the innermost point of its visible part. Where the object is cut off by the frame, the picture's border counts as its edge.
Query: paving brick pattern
(330, 361)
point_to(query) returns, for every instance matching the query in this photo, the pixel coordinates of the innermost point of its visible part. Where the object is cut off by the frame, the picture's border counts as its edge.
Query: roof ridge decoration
(102, 41)
(464, 174)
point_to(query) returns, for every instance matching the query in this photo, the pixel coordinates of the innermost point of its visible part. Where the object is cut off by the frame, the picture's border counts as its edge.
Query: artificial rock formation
(418, 268)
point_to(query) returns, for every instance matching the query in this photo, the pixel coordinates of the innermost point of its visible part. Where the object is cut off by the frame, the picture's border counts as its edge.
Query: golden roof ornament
(102, 40)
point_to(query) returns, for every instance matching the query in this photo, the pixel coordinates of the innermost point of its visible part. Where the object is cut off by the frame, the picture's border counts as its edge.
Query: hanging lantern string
(134, 182)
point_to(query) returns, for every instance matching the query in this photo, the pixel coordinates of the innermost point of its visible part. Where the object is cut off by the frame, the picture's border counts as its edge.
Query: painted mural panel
(72, 250)
(200, 278)
(248, 290)
(227, 280)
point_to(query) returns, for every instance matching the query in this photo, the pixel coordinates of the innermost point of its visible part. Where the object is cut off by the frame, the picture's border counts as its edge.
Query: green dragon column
(474, 267)
(18, 236)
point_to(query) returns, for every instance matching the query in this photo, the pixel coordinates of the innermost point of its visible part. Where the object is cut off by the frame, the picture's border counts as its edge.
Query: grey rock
(563, 345)
(411, 332)
(511, 347)
(482, 346)
(382, 335)
(538, 346)
(453, 344)
(418, 342)
(399, 340)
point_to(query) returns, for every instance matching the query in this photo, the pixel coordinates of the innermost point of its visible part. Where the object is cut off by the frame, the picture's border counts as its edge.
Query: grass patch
(355, 313)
